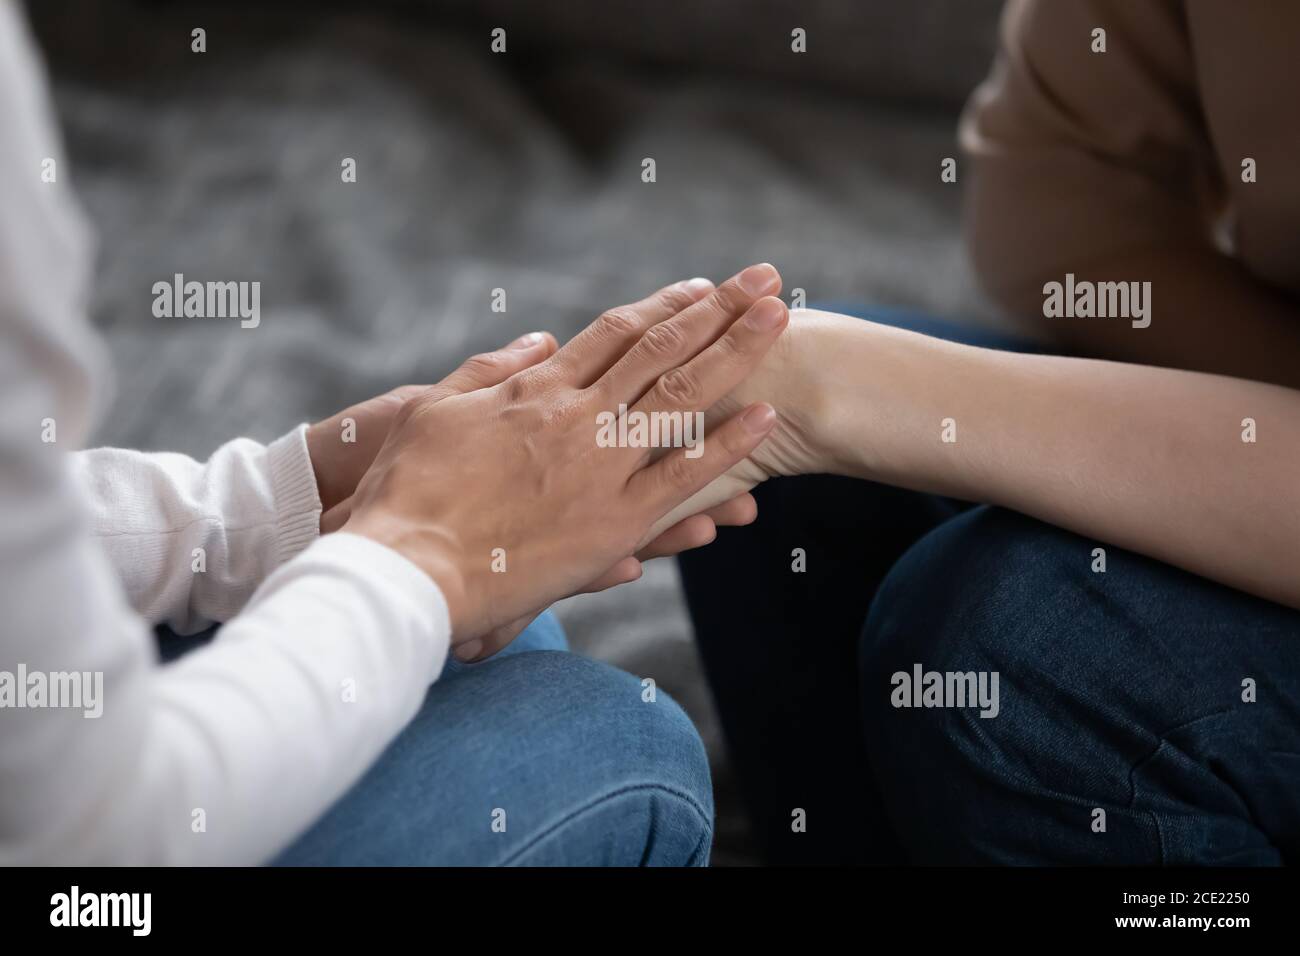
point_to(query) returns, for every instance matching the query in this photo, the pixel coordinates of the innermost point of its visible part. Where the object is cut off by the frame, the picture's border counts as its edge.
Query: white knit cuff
(297, 500)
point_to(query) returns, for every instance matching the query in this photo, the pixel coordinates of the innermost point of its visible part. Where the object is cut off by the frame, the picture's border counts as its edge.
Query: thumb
(493, 368)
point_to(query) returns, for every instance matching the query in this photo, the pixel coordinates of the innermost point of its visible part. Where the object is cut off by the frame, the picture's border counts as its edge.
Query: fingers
(711, 375)
(739, 511)
(336, 517)
(626, 571)
(700, 529)
(592, 351)
(716, 494)
(694, 532)
(671, 343)
(493, 368)
(484, 647)
(675, 477)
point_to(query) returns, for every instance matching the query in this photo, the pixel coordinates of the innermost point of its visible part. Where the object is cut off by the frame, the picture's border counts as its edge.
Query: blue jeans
(561, 750)
(1120, 691)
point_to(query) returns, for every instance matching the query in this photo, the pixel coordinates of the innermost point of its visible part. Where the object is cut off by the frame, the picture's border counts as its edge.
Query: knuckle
(664, 339)
(731, 298)
(483, 364)
(678, 471)
(675, 299)
(404, 393)
(560, 408)
(405, 410)
(732, 349)
(680, 387)
(516, 389)
(411, 406)
(620, 322)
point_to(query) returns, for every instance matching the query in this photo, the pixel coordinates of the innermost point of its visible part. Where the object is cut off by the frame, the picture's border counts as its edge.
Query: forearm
(1208, 315)
(1148, 459)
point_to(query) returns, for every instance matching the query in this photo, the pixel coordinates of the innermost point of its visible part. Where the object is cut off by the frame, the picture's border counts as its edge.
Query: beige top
(1080, 154)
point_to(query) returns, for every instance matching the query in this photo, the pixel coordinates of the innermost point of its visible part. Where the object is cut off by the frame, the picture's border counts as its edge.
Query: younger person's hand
(792, 378)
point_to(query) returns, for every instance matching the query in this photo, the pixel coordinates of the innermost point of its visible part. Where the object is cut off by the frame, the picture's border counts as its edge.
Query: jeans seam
(701, 848)
(606, 798)
(1163, 740)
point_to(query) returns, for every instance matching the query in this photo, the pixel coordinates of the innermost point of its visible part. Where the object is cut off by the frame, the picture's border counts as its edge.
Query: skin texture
(1148, 459)
(339, 465)
(526, 475)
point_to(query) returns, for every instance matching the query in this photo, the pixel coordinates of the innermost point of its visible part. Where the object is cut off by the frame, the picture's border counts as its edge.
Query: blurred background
(477, 171)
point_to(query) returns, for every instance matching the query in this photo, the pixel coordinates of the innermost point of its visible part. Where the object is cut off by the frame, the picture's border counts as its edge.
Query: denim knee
(972, 592)
(537, 757)
(1107, 694)
(979, 609)
(646, 797)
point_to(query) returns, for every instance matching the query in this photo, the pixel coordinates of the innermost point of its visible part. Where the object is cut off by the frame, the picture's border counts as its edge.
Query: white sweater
(228, 754)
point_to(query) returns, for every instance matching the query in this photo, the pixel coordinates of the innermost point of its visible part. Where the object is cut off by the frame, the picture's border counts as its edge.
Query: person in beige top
(1170, 158)
(1100, 663)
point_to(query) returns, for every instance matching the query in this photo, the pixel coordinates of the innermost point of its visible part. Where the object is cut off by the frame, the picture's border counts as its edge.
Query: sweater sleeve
(191, 541)
(1080, 154)
(106, 757)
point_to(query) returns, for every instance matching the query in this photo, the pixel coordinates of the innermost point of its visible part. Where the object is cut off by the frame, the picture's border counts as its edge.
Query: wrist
(831, 357)
(430, 551)
(317, 453)
(893, 403)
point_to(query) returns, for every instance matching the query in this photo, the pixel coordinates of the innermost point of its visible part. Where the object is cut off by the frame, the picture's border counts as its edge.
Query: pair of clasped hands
(498, 465)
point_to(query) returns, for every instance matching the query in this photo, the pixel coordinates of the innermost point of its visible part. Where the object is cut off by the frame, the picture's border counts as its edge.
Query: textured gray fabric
(474, 172)
(912, 51)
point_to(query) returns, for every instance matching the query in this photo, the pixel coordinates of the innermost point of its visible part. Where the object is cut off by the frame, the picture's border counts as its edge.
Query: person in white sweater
(272, 742)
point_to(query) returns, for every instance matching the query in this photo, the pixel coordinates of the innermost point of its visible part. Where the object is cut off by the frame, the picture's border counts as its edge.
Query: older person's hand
(504, 495)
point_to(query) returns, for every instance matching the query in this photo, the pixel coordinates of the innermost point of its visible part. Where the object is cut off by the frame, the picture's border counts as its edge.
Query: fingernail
(468, 651)
(757, 280)
(759, 419)
(531, 340)
(765, 315)
(697, 285)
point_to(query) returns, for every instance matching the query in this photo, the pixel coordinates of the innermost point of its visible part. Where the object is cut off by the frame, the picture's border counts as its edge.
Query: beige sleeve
(1076, 156)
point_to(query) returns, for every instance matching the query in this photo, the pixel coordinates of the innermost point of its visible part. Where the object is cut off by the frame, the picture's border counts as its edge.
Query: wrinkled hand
(511, 476)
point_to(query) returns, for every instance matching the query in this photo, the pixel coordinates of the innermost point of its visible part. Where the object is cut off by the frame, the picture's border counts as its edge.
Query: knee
(633, 786)
(1088, 685)
(980, 592)
(978, 697)
(968, 600)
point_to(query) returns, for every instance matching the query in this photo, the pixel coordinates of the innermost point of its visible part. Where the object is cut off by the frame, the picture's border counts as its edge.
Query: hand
(792, 378)
(338, 464)
(343, 446)
(694, 532)
(529, 490)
